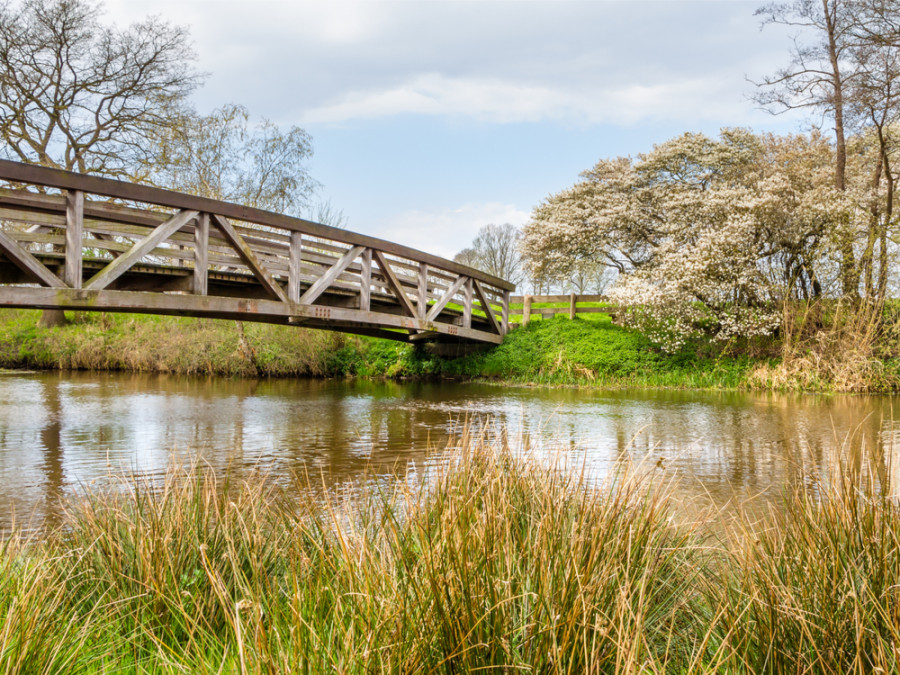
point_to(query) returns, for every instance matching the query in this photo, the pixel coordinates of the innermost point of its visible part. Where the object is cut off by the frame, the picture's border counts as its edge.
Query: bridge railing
(72, 231)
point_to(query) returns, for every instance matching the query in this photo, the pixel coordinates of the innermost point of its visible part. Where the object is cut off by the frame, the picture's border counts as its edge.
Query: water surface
(61, 433)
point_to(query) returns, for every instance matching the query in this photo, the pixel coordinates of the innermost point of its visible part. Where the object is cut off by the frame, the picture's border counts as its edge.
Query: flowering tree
(708, 235)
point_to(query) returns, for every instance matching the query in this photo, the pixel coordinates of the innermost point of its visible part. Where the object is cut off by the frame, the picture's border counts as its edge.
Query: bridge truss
(71, 241)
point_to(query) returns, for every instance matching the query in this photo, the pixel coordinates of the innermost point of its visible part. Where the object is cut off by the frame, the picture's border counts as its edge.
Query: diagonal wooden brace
(438, 307)
(28, 263)
(246, 254)
(486, 306)
(394, 283)
(331, 274)
(124, 262)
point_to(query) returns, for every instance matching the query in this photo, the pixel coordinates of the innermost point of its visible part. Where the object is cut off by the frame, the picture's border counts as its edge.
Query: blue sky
(432, 118)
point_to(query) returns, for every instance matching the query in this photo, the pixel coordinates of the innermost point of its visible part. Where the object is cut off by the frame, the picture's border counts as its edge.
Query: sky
(432, 118)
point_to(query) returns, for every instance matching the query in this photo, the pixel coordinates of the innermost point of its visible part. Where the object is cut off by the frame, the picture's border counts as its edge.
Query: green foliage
(587, 351)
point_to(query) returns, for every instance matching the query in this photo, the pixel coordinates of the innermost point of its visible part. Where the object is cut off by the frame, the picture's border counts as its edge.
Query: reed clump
(815, 588)
(495, 562)
(834, 346)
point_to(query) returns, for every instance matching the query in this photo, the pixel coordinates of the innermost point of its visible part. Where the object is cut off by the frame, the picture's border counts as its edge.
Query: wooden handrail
(68, 180)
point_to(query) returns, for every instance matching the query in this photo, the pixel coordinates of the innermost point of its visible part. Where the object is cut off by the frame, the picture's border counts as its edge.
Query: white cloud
(499, 101)
(447, 231)
(576, 62)
(434, 94)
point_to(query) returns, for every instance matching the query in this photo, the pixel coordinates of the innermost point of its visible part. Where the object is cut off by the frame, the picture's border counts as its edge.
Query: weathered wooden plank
(104, 242)
(553, 311)
(39, 222)
(422, 298)
(294, 267)
(121, 264)
(249, 257)
(467, 305)
(26, 262)
(504, 321)
(538, 299)
(365, 281)
(74, 235)
(39, 238)
(271, 311)
(486, 307)
(526, 311)
(438, 307)
(393, 282)
(201, 255)
(323, 282)
(223, 254)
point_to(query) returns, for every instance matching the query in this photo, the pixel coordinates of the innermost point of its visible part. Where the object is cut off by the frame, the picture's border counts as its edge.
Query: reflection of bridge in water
(70, 241)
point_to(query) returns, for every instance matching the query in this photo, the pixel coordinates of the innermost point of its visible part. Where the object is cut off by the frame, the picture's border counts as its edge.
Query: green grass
(498, 564)
(588, 350)
(147, 343)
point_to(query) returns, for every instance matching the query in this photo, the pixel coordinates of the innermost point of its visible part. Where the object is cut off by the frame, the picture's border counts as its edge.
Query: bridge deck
(80, 242)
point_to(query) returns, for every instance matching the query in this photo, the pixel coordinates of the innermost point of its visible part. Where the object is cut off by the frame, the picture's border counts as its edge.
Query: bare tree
(79, 95)
(589, 276)
(326, 213)
(495, 250)
(817, 78)
(225, 156)
(468, 256)
(875, 101)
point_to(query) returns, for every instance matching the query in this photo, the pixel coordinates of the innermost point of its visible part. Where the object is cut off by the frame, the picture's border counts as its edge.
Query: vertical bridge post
(74, 233)
(504, 318)
(365, 280)
(201, 255)
(295, 260)
(422, 300)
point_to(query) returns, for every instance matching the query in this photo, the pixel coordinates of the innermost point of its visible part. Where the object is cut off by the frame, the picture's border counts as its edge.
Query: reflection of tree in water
(52, 449)
(733, 445)
(724, 444)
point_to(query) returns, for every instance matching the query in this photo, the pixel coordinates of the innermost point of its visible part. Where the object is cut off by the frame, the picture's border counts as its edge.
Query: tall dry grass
(495, 563)
(829, 345)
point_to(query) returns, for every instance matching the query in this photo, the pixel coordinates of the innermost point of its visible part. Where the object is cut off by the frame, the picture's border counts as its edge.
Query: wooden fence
(574, 307)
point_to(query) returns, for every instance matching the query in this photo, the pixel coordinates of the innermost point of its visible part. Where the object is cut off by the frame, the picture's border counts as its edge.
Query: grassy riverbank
(189, 346)
(557, 351)
(500, 564)
(590, 350)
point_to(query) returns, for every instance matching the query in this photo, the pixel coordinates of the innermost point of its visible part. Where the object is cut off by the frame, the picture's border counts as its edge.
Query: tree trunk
(888, 216)
(52, 318)
(850, 272)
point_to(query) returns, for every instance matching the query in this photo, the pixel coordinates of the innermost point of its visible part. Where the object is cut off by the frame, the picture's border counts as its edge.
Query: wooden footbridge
(71, 241)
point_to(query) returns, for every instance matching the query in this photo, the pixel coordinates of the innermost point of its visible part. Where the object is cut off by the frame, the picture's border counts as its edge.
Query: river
(62, 433)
